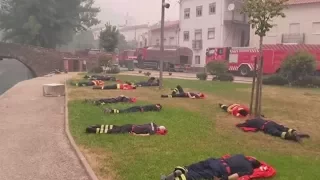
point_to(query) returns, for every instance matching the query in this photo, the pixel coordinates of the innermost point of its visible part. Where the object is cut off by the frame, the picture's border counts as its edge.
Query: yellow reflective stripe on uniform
(290, 131)
(181, 177)
(283, 135)
(116, 111)
(111, 127)
(176, 90)
(222, 106)
(102, 87)
(103, 103)
(97, 130)
(118, 86)
(170, 96)
(101, 129)
(106, 129)
(77, 84)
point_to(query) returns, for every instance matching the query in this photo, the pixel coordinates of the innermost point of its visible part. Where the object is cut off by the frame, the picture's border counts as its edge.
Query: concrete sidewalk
(33, 143)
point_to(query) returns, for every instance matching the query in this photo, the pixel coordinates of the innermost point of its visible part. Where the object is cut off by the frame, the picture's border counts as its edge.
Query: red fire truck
(241, 59)
(125, 56)
(174, 58)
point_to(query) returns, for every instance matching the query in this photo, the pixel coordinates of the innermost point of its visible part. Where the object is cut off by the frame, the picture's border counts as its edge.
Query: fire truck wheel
(244, 70)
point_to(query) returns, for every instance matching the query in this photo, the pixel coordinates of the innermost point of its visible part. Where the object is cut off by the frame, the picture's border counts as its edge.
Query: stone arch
(39, 60)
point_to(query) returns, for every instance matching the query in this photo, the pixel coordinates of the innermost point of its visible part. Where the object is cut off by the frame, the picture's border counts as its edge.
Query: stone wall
(40, 60)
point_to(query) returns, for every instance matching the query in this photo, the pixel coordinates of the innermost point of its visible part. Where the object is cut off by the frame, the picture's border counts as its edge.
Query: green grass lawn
(197, 130)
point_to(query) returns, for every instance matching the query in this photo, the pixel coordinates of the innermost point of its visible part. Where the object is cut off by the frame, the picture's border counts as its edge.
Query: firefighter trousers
(177, 90)
(128, 110)
(109, 129)
(276, 129)
(174, 96)
(85, 84)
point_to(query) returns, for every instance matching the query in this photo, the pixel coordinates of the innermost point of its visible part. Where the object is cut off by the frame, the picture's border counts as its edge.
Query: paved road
(181, 75)
(33, 144)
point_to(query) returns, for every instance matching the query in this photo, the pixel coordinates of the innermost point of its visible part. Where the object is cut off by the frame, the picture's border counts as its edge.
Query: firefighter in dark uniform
(119, 86)
(121, 98)
(228, 168)
(273, 128)
(98, 83)
(142, 130)
(179, 92)
(146, 108)
(100, 77)
(151, 82)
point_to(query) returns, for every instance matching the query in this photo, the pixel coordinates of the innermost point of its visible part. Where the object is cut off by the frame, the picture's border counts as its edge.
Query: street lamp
(164, 6)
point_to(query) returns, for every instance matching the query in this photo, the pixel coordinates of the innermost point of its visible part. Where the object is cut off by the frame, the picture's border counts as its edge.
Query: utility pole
(163, 6)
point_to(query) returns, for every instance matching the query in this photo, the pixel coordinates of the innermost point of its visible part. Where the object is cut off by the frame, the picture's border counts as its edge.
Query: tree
(123, 44)
(261, 14)
(84, 40)
(45, 23)
(109, 38)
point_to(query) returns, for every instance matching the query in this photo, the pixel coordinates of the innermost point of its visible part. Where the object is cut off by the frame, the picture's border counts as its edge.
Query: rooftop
(128, 28)
(167, 24)
(293, 2)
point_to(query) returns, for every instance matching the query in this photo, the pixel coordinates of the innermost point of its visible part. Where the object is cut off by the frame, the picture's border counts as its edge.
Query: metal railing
(197, 44)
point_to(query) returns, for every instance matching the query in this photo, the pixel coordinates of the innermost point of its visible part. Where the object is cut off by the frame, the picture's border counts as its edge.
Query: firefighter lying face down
(141, 130)
(272, 128)
(146, 108)
(237, 110)
(229, 168)
(98, 83)
(100, 77)
(119, 99)
(151, 82)
(116, 86)
(179, 93)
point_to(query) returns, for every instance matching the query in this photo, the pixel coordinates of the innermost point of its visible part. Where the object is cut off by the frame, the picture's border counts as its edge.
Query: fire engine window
(220, 51)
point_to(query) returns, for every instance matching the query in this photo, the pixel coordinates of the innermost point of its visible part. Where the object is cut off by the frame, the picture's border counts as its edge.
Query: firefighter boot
(303, 135)
(288, 136)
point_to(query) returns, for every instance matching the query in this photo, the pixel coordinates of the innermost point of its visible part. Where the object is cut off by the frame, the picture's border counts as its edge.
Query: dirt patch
(101, 162)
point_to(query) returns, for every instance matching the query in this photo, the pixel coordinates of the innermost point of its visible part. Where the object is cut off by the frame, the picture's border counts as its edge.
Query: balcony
(235, 17)
(298, 38)
(196, 44)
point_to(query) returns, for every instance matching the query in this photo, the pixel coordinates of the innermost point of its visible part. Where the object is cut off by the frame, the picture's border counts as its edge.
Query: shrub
(298, 65)
(307, 81)
(97, 69)
(217, 67)
(275, 79)
(113, 70)
(140, 71)
(147, 73)
(202, 76)
(105, 60)
(224, 77)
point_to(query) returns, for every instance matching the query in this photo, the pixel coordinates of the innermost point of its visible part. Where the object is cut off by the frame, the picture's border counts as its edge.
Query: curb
(81, 157)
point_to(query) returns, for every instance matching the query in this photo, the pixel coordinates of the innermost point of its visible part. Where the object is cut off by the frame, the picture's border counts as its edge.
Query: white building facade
(171, 34)
(134, 33)
(301, 25)
(211, 23)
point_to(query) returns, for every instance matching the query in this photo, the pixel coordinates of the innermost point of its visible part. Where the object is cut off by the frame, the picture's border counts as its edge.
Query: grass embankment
(197, 130)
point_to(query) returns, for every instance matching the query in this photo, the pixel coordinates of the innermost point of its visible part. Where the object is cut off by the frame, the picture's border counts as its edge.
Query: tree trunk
(259, 81)
(253, 85)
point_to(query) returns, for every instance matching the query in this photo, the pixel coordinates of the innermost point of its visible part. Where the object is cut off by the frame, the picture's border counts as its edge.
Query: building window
(211, 33)
(186, 36)
(171, 39)
(158, 42)
(199, 11)
(197, 59)
(294, 28)
(198, 34)
(187, 13)
(316, 28)
(212, 8)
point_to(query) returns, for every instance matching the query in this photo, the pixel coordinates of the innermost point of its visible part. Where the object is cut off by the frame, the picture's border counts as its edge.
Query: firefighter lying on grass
(90, 83)
(118, 86)
(226, 168)
(272, 128)
(140, 130)
(146, 108)
(151, 82)
(237, 110)
(100, 77)
(179, 93)
(119, 99)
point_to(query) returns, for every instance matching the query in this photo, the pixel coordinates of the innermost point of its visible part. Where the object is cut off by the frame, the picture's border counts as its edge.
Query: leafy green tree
(261, 13)
(45, 23)
(109, 38)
